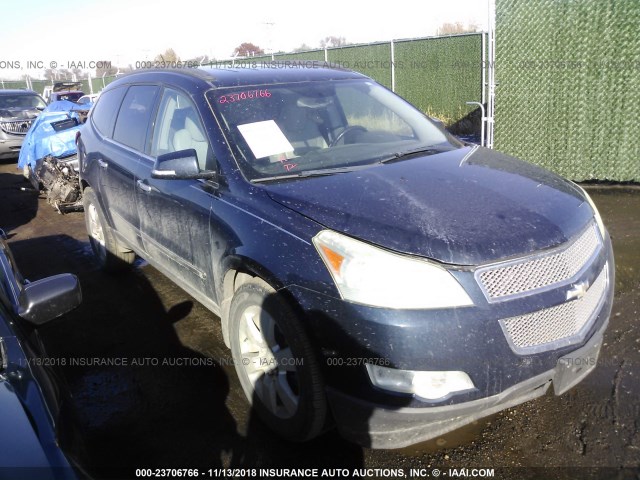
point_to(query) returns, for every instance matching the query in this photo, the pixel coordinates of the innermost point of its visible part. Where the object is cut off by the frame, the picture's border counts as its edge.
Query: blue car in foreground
(30, 393)
(370, 271)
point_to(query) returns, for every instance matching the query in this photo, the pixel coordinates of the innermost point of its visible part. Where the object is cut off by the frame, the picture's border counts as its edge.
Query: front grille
(564, 322)
(529, 274)
(20, 127)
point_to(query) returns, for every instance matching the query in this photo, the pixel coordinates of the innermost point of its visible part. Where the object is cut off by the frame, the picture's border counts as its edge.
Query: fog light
(424, 384)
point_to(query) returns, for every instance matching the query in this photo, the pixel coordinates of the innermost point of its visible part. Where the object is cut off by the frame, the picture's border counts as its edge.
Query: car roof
(9, 91)
(250, 74)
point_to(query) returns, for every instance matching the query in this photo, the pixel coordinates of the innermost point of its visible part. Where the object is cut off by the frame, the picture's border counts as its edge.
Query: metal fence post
(483, 62)
(491, 78)
(393, 67)
(482, 121)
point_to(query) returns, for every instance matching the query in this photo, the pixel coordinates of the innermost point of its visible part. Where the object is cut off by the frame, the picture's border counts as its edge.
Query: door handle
(144, 186)
(102, 163)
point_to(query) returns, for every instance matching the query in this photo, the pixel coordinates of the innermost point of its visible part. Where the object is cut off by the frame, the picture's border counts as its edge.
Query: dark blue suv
(370, 271)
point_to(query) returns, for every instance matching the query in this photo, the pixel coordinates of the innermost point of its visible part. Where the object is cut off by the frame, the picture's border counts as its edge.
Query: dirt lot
(193, 413)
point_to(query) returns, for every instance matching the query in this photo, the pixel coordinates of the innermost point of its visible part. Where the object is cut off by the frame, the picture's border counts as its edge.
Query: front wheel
(275, 363)
(111, 256)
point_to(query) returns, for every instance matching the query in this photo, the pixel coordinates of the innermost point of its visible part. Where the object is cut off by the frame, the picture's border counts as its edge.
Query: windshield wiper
(311, 173)
(332, 171)
(407, 153)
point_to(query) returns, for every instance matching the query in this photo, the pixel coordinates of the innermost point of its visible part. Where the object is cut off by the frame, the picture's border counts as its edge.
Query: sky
(128, 31)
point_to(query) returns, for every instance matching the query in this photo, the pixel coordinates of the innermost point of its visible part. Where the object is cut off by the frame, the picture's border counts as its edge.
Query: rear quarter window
(134, 116)
(106, 110)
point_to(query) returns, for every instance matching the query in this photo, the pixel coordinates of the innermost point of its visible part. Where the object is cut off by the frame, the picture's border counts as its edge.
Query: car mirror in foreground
(180, 165)
(49, 298)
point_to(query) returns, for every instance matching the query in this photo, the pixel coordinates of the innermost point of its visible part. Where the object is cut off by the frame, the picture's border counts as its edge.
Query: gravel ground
(192, 413)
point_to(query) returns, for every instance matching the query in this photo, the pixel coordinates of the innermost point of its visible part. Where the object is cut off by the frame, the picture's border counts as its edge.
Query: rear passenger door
(125, 161)
(174, 214)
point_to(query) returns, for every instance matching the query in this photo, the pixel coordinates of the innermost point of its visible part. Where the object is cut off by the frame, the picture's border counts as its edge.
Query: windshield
(21, 101)
(289, 129)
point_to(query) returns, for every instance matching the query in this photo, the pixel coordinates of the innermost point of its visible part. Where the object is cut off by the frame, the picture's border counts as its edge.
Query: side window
(105, 111)
(178, 127)
(133, 118)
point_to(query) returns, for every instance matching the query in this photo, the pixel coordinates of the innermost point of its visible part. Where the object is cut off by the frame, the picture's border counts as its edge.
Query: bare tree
(302, 48)
(105, 68)
(332, 41)
(455, 28)
(200, 60)
(169, 56)
(78, 73)
(58, 74)
(247, 49)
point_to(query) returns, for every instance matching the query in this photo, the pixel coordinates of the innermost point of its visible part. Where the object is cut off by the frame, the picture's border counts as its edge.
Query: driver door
(174, 214)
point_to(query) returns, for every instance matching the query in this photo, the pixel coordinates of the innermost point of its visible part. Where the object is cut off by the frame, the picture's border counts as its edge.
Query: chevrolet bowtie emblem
(578, 290)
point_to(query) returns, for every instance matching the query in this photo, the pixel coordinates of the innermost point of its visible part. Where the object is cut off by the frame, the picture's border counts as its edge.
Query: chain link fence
(437, 74)
(568, 75)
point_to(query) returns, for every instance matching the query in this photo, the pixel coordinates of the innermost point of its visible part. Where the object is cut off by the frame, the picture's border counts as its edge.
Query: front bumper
(470, 340)
(10, 145)
(378, 427)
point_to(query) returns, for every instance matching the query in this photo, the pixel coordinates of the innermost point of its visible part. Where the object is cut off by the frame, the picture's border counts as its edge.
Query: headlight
(596, 214)
(373, 276)
(424, 384)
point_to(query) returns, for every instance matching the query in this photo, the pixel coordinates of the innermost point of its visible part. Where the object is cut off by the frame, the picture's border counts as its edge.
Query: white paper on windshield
(265, 138)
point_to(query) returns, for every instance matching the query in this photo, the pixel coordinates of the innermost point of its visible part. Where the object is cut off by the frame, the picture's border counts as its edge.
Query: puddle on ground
(462, 436)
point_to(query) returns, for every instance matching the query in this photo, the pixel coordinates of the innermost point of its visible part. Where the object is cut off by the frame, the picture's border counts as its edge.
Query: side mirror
(180, 165)
(46, 299)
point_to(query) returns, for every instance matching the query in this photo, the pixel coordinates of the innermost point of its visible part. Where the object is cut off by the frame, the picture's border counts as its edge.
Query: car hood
(14, 114)
(467, 207)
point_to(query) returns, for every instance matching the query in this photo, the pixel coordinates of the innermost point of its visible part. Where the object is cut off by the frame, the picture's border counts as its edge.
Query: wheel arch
(239, 270)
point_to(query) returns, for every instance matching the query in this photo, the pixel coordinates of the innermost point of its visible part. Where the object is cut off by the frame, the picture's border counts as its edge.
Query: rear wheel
(275, 362)
(111, 256)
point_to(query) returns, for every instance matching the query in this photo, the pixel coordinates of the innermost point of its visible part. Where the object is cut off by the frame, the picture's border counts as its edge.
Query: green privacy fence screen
(437, 74)
(568, 93)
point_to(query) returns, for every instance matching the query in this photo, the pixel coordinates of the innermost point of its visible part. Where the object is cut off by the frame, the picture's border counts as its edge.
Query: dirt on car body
(192, 412)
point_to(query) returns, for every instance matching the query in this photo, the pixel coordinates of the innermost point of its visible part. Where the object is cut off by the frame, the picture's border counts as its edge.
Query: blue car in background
(30, 396)
(370, 271)
(48, 155)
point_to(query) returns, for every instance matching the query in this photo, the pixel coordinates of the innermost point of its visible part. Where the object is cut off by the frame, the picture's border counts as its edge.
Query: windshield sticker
(248, 95)
(287, 166)
(265, 138)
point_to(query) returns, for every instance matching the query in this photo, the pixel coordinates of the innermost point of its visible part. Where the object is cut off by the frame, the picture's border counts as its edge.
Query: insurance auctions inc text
(41, 64)
(341, 473)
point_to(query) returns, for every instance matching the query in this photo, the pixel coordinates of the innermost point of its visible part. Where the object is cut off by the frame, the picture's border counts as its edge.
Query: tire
(276, 365)
(111, 256)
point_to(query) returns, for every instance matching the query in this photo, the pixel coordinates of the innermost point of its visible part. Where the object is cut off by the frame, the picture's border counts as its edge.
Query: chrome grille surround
(542, 271)
(557, 326)
(18, 127)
